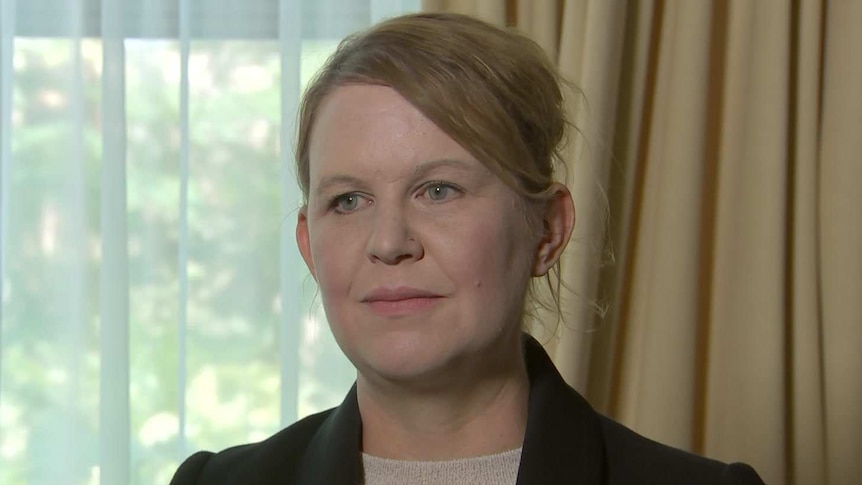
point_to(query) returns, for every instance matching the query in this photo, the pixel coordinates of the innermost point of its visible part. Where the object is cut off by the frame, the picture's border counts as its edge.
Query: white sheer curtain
(153, 301)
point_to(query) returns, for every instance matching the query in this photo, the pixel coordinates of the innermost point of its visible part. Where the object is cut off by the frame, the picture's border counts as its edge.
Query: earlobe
(558, 221)
(303, 241)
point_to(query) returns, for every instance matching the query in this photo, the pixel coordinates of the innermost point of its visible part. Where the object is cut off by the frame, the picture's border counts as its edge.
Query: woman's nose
(392, 239)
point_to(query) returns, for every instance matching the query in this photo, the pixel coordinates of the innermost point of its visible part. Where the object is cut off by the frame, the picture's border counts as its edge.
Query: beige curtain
(725, 137)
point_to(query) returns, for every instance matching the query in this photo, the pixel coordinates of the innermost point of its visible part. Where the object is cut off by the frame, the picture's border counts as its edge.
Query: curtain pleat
(633, 108)
(114, 422)
(184, 28)
(662, 323)
(806, 430)
(68, 414)
(841, 239)
(493, 11)
(7, 47)
(290, 284)
(541, 20)
(747, 297)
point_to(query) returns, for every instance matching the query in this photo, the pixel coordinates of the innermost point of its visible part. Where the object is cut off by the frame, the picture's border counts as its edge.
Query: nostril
(392, 241)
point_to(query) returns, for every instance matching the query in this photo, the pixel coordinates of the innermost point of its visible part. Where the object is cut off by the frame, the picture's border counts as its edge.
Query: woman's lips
(401, 301)
(407, 306)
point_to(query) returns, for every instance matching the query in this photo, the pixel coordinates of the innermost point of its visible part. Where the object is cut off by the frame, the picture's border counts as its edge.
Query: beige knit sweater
(499, 469)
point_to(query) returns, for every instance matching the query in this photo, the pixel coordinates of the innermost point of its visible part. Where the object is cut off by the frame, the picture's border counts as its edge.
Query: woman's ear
(303, 240)
(558, 220)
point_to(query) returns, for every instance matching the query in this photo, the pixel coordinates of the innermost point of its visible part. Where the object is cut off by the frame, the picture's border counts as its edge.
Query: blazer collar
(563, 442)
(333, 456)
(563, 439)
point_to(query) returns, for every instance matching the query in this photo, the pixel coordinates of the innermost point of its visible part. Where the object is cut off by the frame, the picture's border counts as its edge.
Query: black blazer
(566, 441)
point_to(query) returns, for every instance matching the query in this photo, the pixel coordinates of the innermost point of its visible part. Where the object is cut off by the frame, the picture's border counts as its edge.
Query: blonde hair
(492, 90)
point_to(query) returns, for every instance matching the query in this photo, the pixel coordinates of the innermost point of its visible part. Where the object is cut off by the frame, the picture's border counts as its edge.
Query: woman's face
(422, 254)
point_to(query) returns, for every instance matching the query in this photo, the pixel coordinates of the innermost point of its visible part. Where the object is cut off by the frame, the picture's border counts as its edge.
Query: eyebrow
(422, 170)
(431, 165)
(336, 180)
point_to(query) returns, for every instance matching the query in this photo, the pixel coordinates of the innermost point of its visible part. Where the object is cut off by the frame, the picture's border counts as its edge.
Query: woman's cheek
(339, 250)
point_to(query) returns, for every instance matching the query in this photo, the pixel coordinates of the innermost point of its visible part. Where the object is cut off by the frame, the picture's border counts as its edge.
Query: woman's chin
(410, 365)
(425, 356)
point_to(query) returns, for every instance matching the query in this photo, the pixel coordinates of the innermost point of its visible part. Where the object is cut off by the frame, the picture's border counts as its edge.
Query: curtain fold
(661, 325)
(747, 295)
(114, 414)
(721, 139)
(184, 38)
(290, 289)
(807, 428)
(840, 238)
(7, 46)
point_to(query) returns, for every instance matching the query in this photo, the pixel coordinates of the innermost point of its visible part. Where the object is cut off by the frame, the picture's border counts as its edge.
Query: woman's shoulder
(259, 462)
(569, 441)
(632, 458)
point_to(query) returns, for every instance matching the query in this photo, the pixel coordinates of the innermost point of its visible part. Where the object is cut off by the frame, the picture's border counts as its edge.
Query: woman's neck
(471, 416)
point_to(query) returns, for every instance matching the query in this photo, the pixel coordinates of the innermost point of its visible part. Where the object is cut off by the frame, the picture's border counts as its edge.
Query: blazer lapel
(563, 442)
(332, 456)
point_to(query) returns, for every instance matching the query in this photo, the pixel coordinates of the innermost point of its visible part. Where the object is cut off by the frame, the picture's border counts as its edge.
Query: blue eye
(439, 191)
(346, 203)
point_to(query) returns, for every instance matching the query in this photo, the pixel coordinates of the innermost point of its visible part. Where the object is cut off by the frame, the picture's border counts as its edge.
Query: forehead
(372, 129)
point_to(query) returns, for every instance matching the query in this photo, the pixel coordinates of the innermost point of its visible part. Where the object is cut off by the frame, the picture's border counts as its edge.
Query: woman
(426, 156)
